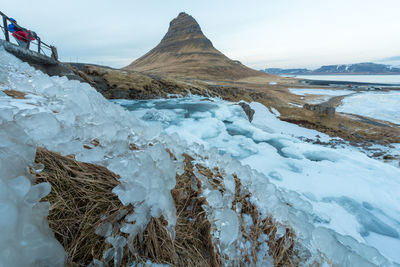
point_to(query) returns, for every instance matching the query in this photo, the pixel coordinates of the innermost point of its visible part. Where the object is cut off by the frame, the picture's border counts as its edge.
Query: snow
(24, 240)
(379, 105)
(323, 94)
(323, 177)
(312, 91)
(312, 188)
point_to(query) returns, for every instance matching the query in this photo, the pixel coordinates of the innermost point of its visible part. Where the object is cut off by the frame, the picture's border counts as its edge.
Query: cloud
(258, 33)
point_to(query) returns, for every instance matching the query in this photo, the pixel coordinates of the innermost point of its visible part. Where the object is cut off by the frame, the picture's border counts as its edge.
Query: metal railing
(37, 41)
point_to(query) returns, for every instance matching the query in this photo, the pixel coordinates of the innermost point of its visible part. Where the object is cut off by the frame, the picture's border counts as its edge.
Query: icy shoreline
(63, 116)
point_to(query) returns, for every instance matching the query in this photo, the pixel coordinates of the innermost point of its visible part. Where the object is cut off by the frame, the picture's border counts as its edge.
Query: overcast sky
(268, 33)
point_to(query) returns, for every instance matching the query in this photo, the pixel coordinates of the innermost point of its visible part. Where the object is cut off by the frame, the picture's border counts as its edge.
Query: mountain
(186, 51)
(279, 71)
(359, 68)
(394, 61)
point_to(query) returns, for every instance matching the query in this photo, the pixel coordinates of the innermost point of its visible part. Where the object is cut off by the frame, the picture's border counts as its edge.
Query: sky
(260, 34)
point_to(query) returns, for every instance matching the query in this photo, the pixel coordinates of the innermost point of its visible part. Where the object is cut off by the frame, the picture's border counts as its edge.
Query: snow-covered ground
(349, 193)
(322, 95)
(378, 105)
(340, 203)
(312, 91)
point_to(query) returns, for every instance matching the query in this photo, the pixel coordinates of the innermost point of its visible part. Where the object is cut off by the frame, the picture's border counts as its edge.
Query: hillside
(186, 51)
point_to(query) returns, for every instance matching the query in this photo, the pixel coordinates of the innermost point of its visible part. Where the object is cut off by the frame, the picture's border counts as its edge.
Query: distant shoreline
(346, 74)
(333, 82)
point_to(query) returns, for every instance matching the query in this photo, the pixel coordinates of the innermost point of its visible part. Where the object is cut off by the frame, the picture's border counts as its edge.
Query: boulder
(248, 110)
(323, 109)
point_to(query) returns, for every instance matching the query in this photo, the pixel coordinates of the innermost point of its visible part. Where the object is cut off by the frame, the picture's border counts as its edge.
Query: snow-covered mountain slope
(65, 116)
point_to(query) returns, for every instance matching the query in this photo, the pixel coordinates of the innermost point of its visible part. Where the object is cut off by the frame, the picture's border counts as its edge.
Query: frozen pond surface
(322, 95)
(378, 105)
(312, 91)
(348, 192)
(389, 79)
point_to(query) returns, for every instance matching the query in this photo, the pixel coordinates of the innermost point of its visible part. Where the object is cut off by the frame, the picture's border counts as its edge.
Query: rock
(343, 127)
(388, 157)
(377, 154)
(247, 109)
(321, 109)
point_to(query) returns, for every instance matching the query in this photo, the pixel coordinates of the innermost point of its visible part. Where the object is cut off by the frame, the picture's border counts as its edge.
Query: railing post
(38, 45)
(6, 29)
(28, 42)
(54, 53)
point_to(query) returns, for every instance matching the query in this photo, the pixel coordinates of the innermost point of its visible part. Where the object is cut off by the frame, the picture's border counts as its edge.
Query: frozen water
(324, 177)
(323, 94)
(104, 229)
(312, 91)
(388, 79)
(379, 105)
(66, 116)
(24, 239)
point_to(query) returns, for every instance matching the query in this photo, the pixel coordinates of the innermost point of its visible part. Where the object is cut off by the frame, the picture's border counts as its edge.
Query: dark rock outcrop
(321, 109)
(248, 110)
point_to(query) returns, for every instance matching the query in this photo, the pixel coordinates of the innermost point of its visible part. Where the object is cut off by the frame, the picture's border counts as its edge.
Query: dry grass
(81, 195)
(130, 84)
(15, 94)
(192, 245)
(281, 248)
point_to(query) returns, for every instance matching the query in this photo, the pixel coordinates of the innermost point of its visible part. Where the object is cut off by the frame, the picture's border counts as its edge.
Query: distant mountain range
(367, 68)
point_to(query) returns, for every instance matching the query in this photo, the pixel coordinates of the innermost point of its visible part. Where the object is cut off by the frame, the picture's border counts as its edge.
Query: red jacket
(22, 36)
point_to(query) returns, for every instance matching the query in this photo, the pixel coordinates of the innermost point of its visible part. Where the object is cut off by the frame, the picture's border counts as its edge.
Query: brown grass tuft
(80, 196)
(281, 248)
(15, 94)
(192, 245)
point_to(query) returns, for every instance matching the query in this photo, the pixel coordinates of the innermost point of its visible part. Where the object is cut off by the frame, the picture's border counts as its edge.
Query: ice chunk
(12, 135)
(9, 216)
(96, 263)
(37, 192)
(37, 167)
(227, 223)
(20, 185)
(40, 126)
(104, 229)
(334, 250)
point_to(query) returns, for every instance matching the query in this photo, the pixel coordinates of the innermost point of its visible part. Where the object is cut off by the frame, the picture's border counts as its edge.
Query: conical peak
(183, 14)
(182, 27)
(185, 50)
